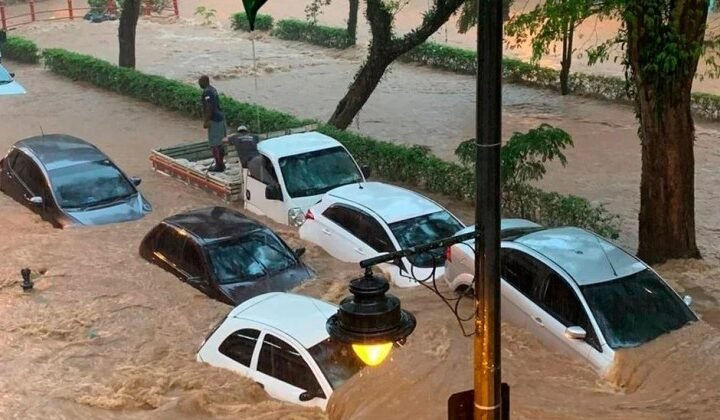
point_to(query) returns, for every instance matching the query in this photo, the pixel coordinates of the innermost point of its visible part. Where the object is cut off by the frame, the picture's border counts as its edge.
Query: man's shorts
(216, 133)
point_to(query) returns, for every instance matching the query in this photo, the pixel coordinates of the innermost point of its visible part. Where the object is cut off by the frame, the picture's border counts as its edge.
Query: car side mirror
(688, 300)
(38, 201)
(136, 180)
(300, 252)
(575, 333)
(272, 192)
(366, 171)
(307, 396)
(12, 75)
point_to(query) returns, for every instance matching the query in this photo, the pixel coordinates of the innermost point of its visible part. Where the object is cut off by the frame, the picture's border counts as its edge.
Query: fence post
(3, 21)
(32, 10)
(176, 9)
(70, 10)
(148, 7)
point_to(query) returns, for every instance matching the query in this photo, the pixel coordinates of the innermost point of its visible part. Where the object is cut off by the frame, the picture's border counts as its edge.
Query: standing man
(214, 121)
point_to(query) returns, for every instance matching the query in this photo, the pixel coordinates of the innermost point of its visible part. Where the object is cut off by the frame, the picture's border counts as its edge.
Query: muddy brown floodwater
(105, 335)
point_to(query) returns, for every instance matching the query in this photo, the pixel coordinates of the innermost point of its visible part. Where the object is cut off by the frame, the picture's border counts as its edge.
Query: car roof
(295, 144)
(214, 223)
(391, 203)
(586, 257)
(301, 317)
(60, 150)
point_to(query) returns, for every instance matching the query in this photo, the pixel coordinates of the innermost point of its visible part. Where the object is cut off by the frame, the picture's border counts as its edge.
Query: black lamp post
(372, 317)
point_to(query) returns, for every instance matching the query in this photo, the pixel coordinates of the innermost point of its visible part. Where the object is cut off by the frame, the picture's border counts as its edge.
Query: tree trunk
(566, 61)
(359, 92)
(667, 130)
(353, 19)
(384, 49)
(667, 185)
(126, 32)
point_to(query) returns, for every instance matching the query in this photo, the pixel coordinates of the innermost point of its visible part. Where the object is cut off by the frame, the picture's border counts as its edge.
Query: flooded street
(106, 335)
(308, 81)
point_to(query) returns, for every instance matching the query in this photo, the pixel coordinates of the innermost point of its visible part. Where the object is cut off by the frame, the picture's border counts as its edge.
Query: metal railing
(32, 15)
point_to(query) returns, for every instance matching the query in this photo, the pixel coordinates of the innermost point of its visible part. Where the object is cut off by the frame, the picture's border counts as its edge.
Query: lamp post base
(461, 406)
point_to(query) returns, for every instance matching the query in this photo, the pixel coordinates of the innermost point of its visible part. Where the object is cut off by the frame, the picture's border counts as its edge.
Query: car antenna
(41, 131)
(606, 255)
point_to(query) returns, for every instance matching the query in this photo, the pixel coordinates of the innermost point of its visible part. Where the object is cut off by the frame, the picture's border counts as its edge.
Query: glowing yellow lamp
(372, 354)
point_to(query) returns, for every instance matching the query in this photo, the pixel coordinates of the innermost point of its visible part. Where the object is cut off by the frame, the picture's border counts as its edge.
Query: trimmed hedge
(239, 22)
(20, 49)
(390, 161)
(169, 94)
(325, 36)
(460, 60)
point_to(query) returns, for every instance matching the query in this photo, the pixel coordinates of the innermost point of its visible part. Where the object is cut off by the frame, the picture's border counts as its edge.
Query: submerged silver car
(68, 181)
(576, 291)
(8, 85)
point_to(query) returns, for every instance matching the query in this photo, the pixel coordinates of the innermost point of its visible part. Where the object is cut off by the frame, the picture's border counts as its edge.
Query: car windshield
(4, 76)
(424, 229)
(89, 184)
(337, 361)
(636, 309)
(318, 172)
(249, 257)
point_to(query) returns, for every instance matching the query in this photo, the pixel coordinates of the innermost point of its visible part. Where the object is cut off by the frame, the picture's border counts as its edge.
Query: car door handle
(360, 251)
(327, 232)
(538, 320)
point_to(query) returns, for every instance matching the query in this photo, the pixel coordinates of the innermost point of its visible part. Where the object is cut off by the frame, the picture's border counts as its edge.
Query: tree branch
(432, 21)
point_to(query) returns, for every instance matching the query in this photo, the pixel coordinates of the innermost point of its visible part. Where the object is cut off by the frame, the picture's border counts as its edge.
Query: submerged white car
(279, 340)
(360, 221)
(576, 291)
(8, 85)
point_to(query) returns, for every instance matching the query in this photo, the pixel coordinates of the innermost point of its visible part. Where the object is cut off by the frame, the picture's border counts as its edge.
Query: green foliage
(206, 14)
(298, 30)
(314, 9)
(169, 94)
(553, 209)
(523, 157)
(407, 164)
(98, 6)
(523, 160)
(469, 11)
(239, 22)
(20, 49)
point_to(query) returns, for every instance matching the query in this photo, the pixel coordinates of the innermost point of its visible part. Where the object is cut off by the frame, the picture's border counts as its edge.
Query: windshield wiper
(107, 202)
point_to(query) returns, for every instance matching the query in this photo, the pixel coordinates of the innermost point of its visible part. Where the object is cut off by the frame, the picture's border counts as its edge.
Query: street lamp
(370, 320)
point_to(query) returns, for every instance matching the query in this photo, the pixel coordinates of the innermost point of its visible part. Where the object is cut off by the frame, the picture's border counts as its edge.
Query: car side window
(522, 272)
(372, 233)
(261, 168)
(563, 304)
(280, 360)
(169, 244)
(240, 345)
(192, 260)
(29, 173)
(347, 218)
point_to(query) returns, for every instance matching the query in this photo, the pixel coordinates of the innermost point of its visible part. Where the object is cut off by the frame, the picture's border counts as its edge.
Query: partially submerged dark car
(224, 254)
(68, 181)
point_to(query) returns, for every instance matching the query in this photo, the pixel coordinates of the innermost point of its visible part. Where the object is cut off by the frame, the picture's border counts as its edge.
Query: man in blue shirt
(214, 121)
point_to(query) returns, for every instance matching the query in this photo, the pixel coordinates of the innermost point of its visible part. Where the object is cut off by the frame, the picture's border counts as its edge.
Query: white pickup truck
(278, 175)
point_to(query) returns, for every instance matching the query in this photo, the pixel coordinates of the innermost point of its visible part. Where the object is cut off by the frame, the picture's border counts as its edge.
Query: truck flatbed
(190, 162)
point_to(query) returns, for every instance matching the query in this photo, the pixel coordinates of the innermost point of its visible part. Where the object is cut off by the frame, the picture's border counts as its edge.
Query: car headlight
(296, 217)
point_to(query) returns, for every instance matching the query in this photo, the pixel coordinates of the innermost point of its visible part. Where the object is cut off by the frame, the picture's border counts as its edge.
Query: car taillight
(448, 254)
(309, 215)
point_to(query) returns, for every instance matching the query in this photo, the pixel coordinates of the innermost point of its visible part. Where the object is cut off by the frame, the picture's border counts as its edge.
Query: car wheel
(463, 290)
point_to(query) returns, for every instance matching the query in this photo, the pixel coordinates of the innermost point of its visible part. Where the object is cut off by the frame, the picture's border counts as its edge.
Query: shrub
(169, 94)
(408, 164)
(325, 36)
(240, 22)
(523, 160)
(20, 49)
